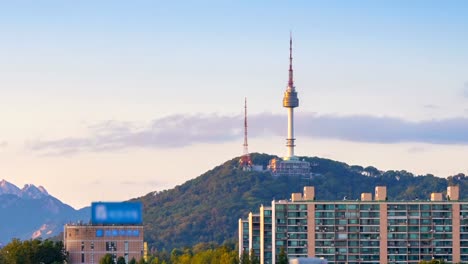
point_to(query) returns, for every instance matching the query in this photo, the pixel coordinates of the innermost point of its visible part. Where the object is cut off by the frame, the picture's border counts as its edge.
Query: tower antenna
(245, 162)
(291, 79)
(246, 144)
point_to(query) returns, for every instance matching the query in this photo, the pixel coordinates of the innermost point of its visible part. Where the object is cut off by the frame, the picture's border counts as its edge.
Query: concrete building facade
(89, 243)
(364, 231)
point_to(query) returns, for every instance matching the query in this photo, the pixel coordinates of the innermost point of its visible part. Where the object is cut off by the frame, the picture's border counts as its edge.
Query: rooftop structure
(367, 231)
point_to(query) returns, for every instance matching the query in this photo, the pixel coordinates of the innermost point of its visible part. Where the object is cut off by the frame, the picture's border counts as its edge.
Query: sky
(111, 100)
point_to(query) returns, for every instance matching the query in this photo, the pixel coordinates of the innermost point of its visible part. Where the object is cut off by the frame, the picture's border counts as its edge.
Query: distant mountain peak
(43, 190)
(50, 214)
(31, 191)
(28, 191)
(9, 188)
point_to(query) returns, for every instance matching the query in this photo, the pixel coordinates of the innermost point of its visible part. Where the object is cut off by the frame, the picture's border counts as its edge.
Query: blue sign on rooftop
(127, 213)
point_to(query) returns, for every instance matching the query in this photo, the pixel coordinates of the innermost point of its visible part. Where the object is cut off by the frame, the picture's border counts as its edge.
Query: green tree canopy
(32, 252)
(107, 259)
(283, 257)
(244, 258)
(121, 260)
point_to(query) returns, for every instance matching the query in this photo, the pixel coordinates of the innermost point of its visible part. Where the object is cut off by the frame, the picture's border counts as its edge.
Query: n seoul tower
(290, 101)
(290, 165)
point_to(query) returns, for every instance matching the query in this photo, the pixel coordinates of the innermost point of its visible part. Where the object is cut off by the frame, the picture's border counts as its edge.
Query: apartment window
(82, 245)
(425, 207)
(341, 206)
(82, 258)
(111, 246)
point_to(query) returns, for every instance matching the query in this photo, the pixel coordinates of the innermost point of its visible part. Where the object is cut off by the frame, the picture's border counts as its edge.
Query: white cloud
(183, 130)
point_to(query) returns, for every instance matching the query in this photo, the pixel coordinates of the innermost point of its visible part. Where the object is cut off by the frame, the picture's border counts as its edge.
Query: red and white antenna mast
(245, 160)
(246, 144)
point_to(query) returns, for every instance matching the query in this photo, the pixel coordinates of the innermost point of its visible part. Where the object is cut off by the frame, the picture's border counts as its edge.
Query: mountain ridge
(28, 190)
(31, 212)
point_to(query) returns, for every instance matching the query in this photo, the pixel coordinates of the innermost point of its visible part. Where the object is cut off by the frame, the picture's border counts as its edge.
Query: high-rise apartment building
(368, 230)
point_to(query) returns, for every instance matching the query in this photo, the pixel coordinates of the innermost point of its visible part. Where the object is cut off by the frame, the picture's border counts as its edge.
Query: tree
(32, 251)
(253, 257)
(153, 260)
(107, 259)
(283, 257)
(434, 261)
(121, 260)
(132, 261)
(244, 258)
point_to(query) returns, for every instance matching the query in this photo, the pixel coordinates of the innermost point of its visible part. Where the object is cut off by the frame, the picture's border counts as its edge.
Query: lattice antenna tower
(246, 144)
(245, 161)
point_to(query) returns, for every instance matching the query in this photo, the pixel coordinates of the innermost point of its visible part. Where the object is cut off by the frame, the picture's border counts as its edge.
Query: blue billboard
(128, 213)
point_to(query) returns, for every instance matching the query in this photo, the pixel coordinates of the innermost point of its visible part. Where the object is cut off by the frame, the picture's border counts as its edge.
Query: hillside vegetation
(207, 208)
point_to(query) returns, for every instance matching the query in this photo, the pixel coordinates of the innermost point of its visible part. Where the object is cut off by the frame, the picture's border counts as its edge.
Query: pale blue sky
(86, 87)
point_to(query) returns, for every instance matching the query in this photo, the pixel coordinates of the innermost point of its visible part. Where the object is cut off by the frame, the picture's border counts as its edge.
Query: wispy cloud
(168, 132)
(465, 89)
(3, 144)
(183, 130)
(431, 106)
(364, 128)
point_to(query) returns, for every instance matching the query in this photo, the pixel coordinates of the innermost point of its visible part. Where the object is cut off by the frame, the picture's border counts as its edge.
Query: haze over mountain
(31, 212)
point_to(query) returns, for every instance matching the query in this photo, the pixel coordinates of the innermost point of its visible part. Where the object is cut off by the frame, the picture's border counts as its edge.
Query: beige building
(369, 230)
(89, 243)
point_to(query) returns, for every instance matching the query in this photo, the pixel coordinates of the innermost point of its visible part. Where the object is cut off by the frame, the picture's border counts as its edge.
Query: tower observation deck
(290, 165)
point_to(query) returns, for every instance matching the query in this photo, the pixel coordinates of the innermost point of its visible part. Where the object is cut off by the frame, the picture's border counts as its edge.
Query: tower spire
(291, 80)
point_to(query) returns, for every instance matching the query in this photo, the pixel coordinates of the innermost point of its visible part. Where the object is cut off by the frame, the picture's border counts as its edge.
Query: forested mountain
(207, 208)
